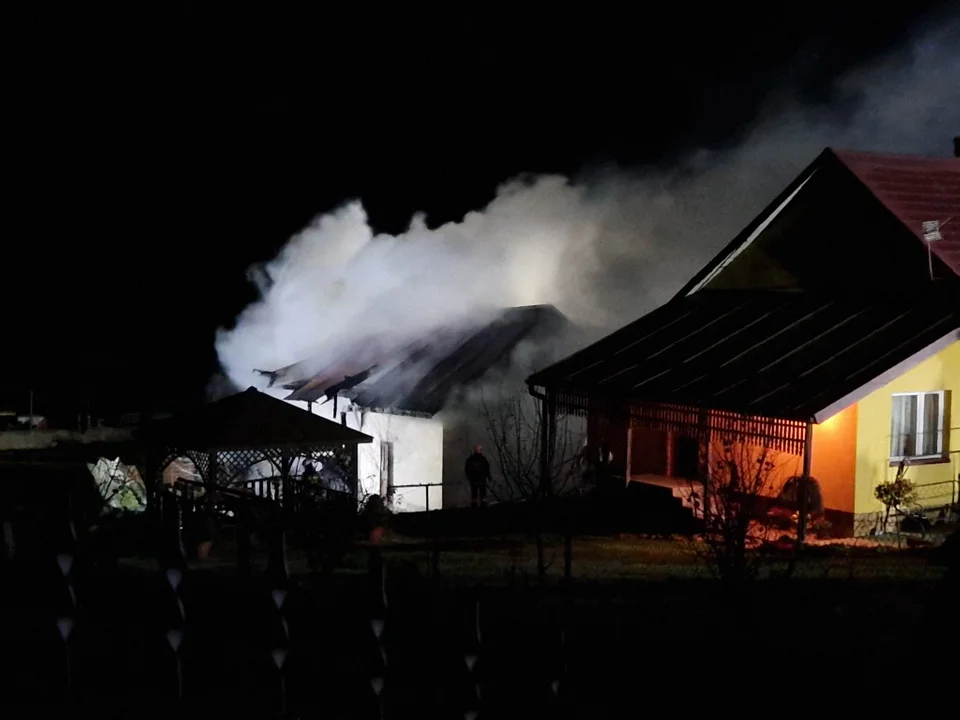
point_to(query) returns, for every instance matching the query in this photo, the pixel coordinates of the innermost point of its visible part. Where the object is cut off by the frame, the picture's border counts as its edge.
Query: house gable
(849, 220)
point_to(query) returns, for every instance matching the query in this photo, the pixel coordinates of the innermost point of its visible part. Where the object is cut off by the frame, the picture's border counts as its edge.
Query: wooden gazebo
(225, 438)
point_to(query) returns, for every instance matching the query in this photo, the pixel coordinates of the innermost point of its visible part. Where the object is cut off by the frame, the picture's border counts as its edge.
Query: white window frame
(920, 395)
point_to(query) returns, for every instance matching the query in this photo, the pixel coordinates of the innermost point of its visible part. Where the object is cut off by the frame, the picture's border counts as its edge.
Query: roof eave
(886, 377)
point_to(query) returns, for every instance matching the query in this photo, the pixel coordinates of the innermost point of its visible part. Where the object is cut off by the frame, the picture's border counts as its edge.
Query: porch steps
(687, 491)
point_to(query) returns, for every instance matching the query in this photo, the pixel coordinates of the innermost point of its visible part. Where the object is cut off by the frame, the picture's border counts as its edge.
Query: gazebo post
(244, 549)
(286, 485)
(171, 554)
(354, 475)
(150, 480)
(210, 480)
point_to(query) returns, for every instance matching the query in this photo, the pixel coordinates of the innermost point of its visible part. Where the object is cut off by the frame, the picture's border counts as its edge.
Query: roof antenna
(931, 233)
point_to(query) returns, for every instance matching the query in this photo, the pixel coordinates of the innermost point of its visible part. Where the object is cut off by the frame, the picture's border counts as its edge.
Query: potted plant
(895, 494)
(821, 526)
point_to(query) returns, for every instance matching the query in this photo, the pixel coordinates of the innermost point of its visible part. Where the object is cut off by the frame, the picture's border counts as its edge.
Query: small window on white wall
(917, 427)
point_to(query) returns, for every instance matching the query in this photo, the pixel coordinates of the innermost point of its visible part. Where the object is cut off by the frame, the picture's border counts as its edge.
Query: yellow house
(893, 216)
(904, 415)
(913, 417)
(833, 317)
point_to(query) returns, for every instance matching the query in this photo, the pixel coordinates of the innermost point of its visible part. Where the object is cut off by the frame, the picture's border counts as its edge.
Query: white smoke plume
(603, 249)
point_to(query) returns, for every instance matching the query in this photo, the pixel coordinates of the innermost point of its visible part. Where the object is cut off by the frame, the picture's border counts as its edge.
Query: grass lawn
(643, 625)
(634, 558)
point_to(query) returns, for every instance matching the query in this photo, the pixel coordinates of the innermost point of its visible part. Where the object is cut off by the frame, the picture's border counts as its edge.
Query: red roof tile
(916, 190)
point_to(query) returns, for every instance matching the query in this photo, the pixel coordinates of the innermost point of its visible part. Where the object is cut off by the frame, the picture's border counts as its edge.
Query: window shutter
(946, 422)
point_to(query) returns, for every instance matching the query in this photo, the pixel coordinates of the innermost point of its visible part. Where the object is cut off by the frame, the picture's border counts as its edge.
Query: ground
(643, 622)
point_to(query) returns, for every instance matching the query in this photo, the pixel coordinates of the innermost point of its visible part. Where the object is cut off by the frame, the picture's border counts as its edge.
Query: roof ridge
(893, 156)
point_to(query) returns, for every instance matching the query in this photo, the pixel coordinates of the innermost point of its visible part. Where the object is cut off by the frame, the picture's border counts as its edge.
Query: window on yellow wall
(917, 427)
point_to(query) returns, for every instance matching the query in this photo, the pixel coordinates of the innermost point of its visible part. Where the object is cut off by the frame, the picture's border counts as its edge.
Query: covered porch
(723, 367)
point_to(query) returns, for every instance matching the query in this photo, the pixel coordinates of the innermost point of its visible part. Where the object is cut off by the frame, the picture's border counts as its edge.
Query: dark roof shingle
(248, 420)
(776, 354)
(421, 377)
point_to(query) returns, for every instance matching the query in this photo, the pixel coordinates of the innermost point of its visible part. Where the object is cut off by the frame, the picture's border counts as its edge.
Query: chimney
(956, 146)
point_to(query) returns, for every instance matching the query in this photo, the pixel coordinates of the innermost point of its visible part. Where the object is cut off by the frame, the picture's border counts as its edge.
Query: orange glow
(834, 461)
(830, 423)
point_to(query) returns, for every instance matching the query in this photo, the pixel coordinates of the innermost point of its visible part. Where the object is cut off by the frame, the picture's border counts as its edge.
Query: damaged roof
(248, 420)
(422, 376)
(779, 354)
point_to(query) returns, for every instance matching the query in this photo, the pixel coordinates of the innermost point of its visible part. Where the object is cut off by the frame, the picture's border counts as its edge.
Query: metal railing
(434, 550)
(426, 491)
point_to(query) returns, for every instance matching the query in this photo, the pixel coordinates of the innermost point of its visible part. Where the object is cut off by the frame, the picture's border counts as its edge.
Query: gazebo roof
(248, 420)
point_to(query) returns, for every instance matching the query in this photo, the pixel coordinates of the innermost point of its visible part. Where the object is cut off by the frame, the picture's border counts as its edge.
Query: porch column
(804, 484)
(703, 440)
(671, 460)
(551, 431)
(545, 480)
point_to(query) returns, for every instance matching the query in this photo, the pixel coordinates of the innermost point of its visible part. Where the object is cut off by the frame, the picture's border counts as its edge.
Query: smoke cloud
(603, 248)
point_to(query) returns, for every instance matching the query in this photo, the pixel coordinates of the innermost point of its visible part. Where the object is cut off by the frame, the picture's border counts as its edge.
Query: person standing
(477, 470)
(603, 460)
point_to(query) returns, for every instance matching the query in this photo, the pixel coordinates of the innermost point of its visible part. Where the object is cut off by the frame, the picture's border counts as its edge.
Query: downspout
(534, 393)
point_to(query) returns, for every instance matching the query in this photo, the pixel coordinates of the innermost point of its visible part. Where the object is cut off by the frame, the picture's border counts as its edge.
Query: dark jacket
(477, 469)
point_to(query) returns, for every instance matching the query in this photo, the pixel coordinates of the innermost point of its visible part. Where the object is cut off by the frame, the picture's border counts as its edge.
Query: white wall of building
(417, 457)
(417, 451)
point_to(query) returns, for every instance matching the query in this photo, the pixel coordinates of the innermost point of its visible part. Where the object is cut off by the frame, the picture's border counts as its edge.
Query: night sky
(158, 152)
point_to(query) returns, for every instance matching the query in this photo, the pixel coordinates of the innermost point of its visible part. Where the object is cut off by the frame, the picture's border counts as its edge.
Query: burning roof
(420, 377)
